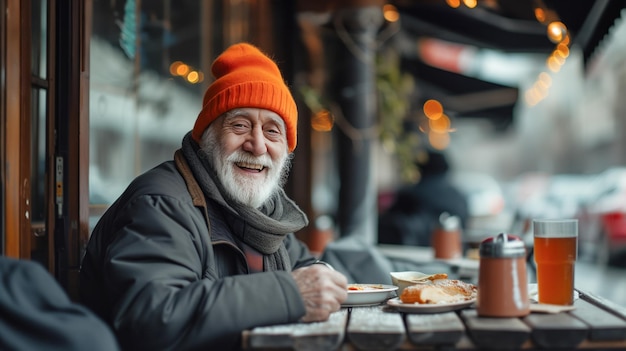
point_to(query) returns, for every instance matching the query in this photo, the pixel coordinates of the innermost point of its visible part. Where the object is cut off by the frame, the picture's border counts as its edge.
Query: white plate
(428, 308)
(371, 295)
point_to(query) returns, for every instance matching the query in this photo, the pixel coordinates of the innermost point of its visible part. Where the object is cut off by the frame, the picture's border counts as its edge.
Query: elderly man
(202, 247)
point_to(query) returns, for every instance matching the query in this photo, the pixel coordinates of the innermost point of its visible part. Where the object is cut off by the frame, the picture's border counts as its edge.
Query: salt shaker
(446, 238)
(502, 280)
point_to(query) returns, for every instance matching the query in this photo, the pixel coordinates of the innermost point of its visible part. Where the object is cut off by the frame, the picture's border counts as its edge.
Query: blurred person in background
(202, 247)
(416, 209)
(36, 313)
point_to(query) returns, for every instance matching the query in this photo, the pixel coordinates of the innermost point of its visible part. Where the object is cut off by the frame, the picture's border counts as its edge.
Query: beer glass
(556, 248)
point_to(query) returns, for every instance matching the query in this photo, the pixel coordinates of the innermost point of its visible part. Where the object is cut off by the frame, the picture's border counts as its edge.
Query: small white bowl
(406, 279)
(369, 296)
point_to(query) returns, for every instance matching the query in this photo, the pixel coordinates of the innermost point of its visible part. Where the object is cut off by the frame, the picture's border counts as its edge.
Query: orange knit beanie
(245, 77)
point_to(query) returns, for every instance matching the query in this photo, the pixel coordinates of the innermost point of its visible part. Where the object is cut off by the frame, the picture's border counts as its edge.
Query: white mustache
(249, 161)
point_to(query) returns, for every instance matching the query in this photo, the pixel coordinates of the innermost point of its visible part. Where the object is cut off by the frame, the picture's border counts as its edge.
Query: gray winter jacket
(37, 315)
(155, 272)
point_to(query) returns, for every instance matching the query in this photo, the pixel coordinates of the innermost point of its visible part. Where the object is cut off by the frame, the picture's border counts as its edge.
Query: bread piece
(439, 291)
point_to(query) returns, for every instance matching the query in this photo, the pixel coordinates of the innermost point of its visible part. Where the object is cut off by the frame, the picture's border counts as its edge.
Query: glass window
(38, 149)
(139, 109)
(39, 41)
(39, 245)
(150, 65)
(39, 113)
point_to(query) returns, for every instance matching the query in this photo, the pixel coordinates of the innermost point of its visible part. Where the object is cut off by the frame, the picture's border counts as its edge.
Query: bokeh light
(174, 67)
(439, 141)
(540, 14)
(192, 77)
(433, 109)
(182, 70)
(391, 13)
(441, 124)
(322, 121)
(453, 3)
(557, 31)
(470, 3)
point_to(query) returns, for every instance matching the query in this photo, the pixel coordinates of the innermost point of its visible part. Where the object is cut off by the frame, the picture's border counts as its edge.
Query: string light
(454, 3)
(470, 3)
(181, 69)
(391, 13)
(438, 126)
(557, 33)
(433, 109)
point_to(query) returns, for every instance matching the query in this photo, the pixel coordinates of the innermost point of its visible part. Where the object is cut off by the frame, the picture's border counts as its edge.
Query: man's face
(249, 151)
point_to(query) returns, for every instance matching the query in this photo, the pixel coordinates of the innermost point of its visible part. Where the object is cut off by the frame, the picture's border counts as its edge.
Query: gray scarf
(262, 228)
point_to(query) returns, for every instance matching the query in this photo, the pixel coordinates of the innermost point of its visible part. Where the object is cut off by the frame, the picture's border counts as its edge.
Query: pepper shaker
(446, 238)
(502, 279)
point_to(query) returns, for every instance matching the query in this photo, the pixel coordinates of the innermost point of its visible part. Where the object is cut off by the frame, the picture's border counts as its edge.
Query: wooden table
(593, 324)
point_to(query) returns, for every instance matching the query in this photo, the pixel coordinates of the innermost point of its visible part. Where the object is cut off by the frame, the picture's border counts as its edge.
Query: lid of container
(502, 245)
(448, 222)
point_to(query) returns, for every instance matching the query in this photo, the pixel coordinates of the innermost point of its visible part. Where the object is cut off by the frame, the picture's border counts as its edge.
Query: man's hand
(322, 289)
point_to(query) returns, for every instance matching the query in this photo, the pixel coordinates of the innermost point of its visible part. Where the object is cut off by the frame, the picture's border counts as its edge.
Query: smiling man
(201, 247)
(252, 160)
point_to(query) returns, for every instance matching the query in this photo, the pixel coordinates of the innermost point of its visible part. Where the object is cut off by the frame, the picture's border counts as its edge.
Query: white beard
(251, 191)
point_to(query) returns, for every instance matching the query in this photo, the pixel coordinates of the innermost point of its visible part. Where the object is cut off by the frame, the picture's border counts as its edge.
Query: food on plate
(408, 278)
(439, 291)
(359, 287)
(432, 277)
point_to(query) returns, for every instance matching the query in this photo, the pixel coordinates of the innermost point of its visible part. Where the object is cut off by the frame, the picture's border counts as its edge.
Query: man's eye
(239, 125)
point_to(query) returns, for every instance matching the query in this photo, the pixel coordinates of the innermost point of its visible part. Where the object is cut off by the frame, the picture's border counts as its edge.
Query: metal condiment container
(446, 238)
(502, 279)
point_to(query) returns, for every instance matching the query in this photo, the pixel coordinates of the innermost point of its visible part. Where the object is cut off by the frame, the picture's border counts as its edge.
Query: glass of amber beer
(556, 249)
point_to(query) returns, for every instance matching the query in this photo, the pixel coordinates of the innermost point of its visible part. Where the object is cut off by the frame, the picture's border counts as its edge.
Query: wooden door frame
(3, 114)
(72, 128)
(68, 36)
(15, 93)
